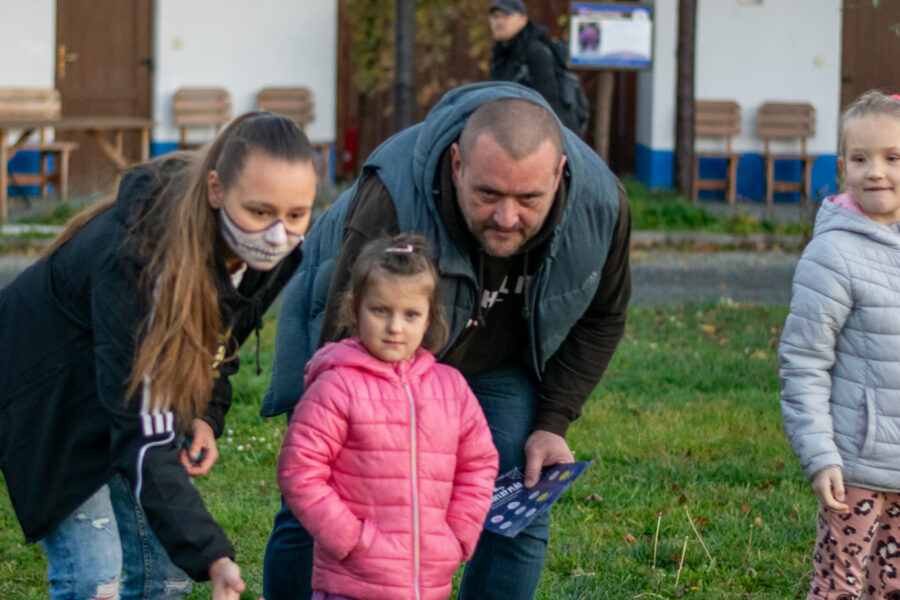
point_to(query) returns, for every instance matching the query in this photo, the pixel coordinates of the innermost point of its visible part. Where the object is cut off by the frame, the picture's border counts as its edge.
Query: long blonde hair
(177, 236)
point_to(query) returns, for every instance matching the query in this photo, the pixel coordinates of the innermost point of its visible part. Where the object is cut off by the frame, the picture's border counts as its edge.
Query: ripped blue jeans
(104, 537)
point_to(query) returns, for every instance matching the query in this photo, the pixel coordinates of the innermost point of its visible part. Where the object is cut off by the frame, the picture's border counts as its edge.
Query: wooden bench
(786, 123)
(296, 103)
(718, 120)
(200, 108)
(38, 104)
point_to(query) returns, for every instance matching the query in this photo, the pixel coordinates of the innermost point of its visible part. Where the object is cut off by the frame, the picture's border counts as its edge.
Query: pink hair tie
(407, 249)
(895, 96)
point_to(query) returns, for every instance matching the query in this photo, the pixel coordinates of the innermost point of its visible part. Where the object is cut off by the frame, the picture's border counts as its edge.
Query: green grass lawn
(693, 491)
(668, 210)
(665, 210)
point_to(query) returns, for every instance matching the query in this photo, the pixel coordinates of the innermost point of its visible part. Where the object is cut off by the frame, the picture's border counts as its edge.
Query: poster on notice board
(610, 35)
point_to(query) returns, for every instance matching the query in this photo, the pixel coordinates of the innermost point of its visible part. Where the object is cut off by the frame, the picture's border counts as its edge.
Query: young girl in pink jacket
(388, 460)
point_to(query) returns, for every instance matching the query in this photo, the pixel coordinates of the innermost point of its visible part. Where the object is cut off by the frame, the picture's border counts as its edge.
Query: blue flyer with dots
(514, 506)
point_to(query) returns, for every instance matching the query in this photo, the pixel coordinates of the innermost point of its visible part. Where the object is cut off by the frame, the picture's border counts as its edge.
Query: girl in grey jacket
(840, 362)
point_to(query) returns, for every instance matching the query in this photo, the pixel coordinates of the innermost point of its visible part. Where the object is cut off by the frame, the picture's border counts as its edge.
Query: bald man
(530, 232)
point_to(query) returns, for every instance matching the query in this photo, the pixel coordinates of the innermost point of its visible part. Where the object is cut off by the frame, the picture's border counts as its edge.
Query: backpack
(576, 108)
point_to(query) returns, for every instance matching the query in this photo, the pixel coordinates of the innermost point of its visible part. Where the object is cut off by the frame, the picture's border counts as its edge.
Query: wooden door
(103, 67)
(870, 48)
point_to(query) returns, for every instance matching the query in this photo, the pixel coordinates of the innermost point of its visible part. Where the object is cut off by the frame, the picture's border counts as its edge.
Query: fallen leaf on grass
(579, 573)
(630, 539)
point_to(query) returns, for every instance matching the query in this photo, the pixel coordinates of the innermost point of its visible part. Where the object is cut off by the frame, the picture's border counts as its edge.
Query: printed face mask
(261, 250)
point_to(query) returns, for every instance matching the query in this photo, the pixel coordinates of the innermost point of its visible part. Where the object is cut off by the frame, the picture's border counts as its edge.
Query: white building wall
(774, 50)
(245, 45)
(242, 45)
(655, 126)
(27, 60)
(27, 40)
(749, 51)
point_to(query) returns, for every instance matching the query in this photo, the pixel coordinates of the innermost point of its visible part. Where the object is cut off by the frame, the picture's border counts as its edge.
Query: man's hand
(828, 484)
(226, 580)
(203, 442)
(543, 449)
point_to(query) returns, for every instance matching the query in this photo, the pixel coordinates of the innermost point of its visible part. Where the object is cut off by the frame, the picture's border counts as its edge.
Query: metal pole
(684, 106)
(404, 63)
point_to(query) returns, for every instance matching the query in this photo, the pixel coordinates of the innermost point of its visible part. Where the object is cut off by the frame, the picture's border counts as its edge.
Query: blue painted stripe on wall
(27, 161)
(160, 148)
(655, 169)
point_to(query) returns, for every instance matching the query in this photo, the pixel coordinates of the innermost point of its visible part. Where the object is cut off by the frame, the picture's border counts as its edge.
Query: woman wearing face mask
(117, 346)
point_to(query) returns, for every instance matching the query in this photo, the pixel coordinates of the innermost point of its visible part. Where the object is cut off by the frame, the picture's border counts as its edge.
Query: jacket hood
(140, 188)
(350, 353)
(537, 31)
(832, 217)
(443, 125)
(445, 122)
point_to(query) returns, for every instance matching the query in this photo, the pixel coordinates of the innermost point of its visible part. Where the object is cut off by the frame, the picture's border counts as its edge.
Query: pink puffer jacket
(391, 468)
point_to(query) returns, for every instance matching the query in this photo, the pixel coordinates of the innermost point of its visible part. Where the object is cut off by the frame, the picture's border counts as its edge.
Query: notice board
(611, 35)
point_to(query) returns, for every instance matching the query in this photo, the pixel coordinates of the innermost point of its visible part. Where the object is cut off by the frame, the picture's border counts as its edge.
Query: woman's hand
(828, 484)
(226, 580)
(203, 452)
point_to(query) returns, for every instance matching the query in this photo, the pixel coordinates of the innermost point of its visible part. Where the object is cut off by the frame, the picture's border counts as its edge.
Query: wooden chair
(38, 104)
(786, 123)
(200, 108)
(296, 103)
(718, 120)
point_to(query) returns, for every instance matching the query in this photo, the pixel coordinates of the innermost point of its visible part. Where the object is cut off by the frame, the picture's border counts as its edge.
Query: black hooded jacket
(527, 59)
(69, 326)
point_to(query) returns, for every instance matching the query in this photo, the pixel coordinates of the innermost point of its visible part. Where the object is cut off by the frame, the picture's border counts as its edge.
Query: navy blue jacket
(69, 326)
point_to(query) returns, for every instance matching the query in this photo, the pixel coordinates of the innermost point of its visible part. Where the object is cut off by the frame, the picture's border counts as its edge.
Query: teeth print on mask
(261, 250)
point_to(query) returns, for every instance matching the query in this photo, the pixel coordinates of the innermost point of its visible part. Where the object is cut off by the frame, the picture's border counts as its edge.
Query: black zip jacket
(69, 326)
(528, 59)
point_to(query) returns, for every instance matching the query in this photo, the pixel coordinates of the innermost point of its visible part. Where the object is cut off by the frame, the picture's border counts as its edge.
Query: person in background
(521, 51)
(531, 233)
(117, 345)
(388, 460)
(839, 360)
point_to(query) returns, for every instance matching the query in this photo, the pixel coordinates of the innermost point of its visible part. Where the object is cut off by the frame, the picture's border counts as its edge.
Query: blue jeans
(502, 568)
(103, 537)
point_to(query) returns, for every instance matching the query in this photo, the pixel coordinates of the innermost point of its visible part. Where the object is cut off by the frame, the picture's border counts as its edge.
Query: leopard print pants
(859, 549)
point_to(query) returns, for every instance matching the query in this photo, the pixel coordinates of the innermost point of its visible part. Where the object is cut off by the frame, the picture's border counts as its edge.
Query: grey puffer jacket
(840, 351)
